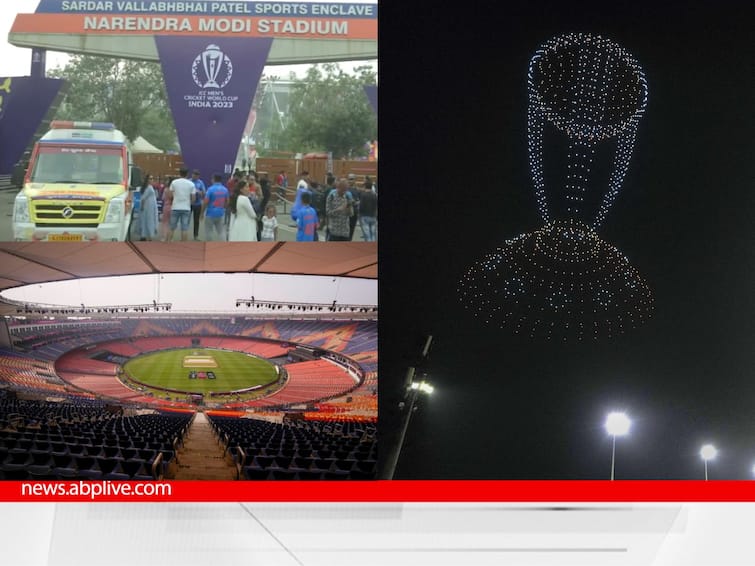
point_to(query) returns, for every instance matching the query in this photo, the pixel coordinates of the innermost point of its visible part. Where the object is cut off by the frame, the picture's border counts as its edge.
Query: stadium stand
(311, 450)
(85, 439)
(75, 403)
(64, 412)
(318, 379)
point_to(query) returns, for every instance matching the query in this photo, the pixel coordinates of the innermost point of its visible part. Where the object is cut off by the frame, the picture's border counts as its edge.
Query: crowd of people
(241, 209)
(334, 209)
(235, 210)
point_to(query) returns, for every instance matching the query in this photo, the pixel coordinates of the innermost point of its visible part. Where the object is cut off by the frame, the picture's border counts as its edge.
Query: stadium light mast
(617, 424)
(408, 406)
(707, 452)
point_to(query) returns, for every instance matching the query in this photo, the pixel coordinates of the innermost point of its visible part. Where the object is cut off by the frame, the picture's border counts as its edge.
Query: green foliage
(131, 94)
(329, 111)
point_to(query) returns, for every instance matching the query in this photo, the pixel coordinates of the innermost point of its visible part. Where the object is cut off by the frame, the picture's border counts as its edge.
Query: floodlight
(422, 386)
(426, 387)
(708, 452)
(617, 424)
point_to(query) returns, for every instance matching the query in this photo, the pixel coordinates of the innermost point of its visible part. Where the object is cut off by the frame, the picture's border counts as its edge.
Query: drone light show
(586, 97)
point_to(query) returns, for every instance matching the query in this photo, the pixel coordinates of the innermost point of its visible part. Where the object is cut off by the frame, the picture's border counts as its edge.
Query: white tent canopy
(188, 292)
(37, 263)
(141, 145)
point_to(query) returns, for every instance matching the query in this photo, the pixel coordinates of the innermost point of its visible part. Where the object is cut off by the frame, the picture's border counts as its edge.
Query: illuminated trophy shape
(212, 61)
(586, 97)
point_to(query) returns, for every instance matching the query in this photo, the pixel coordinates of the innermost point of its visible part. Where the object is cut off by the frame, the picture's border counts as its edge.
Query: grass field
(232, 370)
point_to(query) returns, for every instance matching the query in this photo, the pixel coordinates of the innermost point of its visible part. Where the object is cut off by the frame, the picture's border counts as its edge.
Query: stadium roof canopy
(41, 262)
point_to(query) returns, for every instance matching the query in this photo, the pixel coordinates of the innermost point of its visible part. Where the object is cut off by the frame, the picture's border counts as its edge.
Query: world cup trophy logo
(212, 58)
(216, 65)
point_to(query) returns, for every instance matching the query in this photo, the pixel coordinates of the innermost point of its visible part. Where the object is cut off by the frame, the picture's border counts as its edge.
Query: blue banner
(211, 84)
(24, 103)
(202, 8)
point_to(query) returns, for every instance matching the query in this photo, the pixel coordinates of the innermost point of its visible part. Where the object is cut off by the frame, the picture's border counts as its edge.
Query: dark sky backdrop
(455, 184)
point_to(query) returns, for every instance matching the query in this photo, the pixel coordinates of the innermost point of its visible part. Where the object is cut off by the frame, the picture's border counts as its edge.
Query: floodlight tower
(707, 452)
(617, 424)
(413, 388)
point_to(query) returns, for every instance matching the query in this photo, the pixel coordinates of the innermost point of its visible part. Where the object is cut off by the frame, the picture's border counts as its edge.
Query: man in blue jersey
(214, 208)
(306, 220)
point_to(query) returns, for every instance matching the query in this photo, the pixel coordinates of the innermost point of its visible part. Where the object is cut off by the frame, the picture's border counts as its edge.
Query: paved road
(286, 227)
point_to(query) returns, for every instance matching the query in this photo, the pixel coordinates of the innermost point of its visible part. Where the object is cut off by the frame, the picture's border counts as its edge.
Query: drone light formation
(559, 282)
(563, 281)
(590, 89)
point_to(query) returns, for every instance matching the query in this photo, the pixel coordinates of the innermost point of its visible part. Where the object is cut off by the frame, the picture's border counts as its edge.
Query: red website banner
(469, 491)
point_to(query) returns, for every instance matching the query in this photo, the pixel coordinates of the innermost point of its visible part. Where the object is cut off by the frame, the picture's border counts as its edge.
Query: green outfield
(171, 369)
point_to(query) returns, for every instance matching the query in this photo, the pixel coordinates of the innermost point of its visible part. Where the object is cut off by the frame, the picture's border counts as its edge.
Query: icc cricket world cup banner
(211, 83)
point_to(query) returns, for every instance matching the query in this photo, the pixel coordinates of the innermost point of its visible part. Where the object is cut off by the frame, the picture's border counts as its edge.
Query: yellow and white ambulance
(76, 188)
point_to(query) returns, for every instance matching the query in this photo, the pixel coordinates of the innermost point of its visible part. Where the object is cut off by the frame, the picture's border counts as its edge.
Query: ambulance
(77, 186)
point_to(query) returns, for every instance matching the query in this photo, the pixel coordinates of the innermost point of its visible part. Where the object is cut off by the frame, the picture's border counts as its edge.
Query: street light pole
(392, 459)
(707, 452)
(407, 406)
(617, 424)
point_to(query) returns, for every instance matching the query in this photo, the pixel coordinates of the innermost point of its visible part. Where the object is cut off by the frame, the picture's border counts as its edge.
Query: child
(269, 225)
(306, 220)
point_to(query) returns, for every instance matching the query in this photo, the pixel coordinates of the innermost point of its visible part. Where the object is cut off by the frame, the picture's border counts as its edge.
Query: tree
(329, 111)
(130, 94)
(269, 125)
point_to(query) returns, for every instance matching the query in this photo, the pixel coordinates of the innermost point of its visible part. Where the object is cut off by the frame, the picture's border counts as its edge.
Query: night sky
(455, 184)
